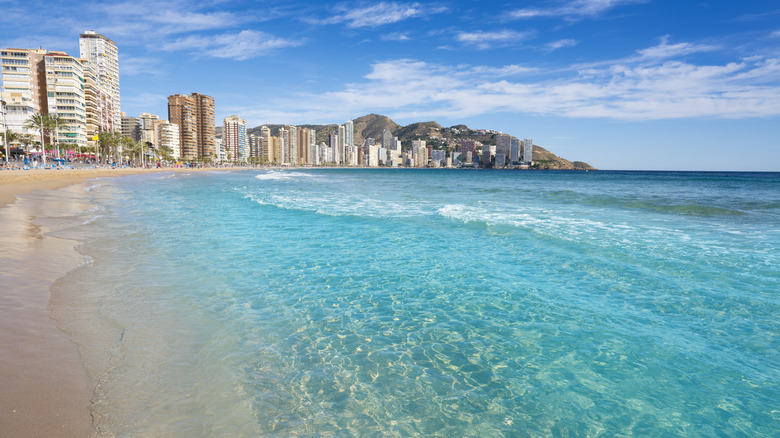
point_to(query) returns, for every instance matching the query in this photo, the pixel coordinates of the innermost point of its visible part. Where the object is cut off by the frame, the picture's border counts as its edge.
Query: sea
(427, 302)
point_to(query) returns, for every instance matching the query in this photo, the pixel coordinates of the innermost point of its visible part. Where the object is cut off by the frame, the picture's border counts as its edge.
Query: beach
(45, 389)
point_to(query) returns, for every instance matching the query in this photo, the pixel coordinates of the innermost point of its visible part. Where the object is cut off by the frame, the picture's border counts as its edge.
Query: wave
(278, 175)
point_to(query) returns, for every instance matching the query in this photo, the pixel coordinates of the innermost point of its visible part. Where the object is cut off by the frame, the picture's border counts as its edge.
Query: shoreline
(45, 387)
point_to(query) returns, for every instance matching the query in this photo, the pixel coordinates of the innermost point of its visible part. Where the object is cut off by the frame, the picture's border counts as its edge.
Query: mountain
(372, 125)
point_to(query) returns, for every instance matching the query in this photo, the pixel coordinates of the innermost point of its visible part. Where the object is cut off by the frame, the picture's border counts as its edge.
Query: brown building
(195, 116)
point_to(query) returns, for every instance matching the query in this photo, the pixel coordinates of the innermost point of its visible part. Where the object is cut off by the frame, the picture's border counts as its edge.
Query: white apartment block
(104, 55)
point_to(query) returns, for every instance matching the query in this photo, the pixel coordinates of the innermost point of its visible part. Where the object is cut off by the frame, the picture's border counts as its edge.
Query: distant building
(235, 138)
(528, 151)
(195, 116)
(468, 151)
(438, 156)
(514, 151)
(486, 157)
(266, 146)
(419, 153)
(388, 141)
(349, 133)
(334, 147)
(503, 147)
(131, 127)
(168, 137)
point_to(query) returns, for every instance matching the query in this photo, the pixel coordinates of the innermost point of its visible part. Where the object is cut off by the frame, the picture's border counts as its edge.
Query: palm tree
(166, 152)
(55, 124)
(109, 141)
(9, 138)
(41, 123)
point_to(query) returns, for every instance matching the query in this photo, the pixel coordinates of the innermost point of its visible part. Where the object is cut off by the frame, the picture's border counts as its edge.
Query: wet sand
(45, 389)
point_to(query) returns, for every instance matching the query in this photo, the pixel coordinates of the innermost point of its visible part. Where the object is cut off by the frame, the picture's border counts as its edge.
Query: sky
(620, 84)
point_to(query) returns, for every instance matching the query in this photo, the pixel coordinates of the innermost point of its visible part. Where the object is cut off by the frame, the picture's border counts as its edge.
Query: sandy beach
(45, 389)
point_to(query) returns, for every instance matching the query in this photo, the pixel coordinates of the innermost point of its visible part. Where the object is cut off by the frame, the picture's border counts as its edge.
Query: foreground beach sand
(45, 389)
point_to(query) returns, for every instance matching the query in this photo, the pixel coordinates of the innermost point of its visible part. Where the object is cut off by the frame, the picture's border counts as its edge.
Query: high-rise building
(131, 127)
(468, 151)
(514, 151)
(235, 138)
(487, 155)
(438, 156)
(349, 133)
(24, 86)
(528, 151)
(195, 116)
(342, 145)
(419, 153)
(266, 147)
(168, 137)
(104, 56)
(388, 141)
(292, 144)
(181, 111)
(65, 98)
(503, 148)
(277, 146)
(99, 105)
(334, 146)
(284, 136)
(205, 117)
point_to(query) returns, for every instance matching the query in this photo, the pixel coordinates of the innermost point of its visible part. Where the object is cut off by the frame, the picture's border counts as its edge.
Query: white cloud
(775, 34)
(572, 9)
(487, 40)
(380, 14)
(244, 45)
(560, 44)
(624, 90)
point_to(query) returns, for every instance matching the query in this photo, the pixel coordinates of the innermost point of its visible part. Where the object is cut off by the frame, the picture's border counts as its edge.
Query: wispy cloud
(624, 90)
(147, 19)
(244, 45)
(379, 14)
(572, 9)
(140, 66)
(487, 40)
(775, 34)
(666, 50)
(396, 36)
(560, 44)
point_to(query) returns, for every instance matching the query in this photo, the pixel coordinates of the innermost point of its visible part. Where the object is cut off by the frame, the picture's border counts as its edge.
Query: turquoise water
(431, 302)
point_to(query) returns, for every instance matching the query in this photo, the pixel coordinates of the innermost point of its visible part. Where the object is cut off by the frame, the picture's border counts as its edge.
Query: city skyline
(621, 84)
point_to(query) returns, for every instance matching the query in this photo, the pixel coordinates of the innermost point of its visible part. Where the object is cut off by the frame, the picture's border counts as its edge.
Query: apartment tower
(234, 137)
(103, 54)
(195, 116)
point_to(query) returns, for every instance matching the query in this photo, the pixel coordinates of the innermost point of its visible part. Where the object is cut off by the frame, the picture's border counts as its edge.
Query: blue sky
(621, 84)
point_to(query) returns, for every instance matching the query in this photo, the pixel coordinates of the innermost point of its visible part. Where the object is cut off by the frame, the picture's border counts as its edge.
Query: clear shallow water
(449, 303)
